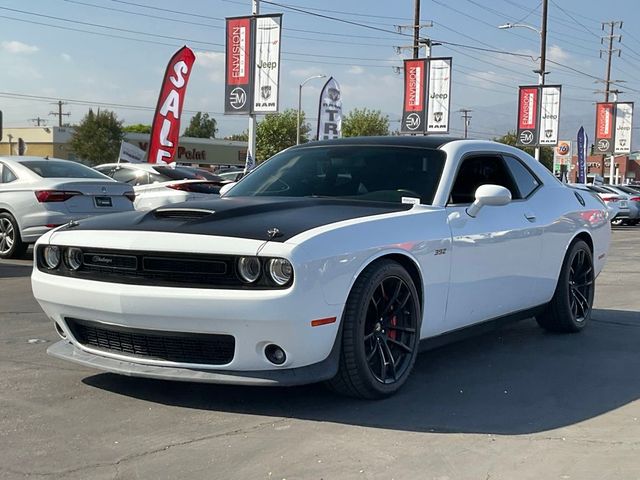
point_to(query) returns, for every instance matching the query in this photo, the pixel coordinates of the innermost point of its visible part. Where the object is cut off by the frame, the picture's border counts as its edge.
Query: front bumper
(254, 318)
(324, 370)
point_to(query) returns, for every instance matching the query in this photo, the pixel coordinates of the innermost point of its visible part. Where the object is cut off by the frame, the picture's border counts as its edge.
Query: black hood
(259, 218)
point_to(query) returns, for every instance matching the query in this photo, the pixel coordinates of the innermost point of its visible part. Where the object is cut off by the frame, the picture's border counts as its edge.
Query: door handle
(530, 216)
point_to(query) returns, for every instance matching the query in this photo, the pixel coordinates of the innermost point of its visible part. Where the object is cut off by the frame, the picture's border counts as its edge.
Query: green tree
(239, 137)
(202, 126)
(97, 137)
(137, 128)
(278, 131)
(546, 153)
(365, 122)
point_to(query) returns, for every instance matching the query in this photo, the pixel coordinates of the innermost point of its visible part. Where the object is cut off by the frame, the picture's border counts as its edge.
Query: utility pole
(610, 51)
(416, 29)
(467, 119)
(38, 121)
(543, 58)
(607, 83)
(59, 113)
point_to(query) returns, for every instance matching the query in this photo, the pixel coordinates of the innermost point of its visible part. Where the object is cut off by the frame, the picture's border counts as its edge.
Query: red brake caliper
(394, 322)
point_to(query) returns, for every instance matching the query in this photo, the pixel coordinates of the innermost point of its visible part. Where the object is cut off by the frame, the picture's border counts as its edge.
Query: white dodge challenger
(332, 261)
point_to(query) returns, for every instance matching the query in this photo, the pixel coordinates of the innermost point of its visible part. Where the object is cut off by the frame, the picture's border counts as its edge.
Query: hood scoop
(183, 213)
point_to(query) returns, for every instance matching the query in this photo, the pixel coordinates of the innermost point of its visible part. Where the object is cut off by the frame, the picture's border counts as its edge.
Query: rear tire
(570, 308)
(11, 245)
(380, 333)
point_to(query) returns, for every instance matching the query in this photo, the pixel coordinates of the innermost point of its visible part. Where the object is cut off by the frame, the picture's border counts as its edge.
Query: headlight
(280, 270)
(249, 268)
(73, 258)
(51, 256)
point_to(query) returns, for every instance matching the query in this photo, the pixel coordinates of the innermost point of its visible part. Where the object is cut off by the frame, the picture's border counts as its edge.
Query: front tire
(11, 244)
(570, 308)
(380, 333)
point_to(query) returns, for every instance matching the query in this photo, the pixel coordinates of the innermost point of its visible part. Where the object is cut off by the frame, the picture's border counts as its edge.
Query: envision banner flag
(624, 121)
(330, 111)
(130, 153)
(414, 105)
(238, 66)
(527, 133)
(605, 119)
(549, 115)
(439, 95)
(163, 143)
(267, 63)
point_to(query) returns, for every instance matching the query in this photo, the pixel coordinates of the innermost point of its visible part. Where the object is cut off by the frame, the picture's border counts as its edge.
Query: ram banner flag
(624, 122)
(549, 114)
(527, 132)
(605, 120)
(415, 89)
(266, 75)
(130, 153)
(238, 66)
(163, 143)
(439, 91)
(330, 111)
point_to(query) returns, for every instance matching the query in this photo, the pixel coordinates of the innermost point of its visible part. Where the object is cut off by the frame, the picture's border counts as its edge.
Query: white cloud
(66, 57)
(356, 70)
(557, 54)
(15, 46)
(210, 59)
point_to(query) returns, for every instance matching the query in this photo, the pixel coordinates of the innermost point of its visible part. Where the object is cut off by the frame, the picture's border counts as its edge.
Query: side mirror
(225, 188)
(493, 195)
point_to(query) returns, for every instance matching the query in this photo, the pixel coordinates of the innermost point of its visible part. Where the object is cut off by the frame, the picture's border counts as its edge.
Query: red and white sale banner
(528, 116)
(605, 121)
(165, 129)
(238, 65)
(415, 89)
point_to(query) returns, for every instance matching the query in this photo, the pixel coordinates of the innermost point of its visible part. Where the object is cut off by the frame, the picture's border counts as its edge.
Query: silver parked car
(38, 194)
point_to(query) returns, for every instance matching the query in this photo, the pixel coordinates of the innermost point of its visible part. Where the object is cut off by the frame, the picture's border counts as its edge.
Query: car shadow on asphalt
(515, 380)
(12, 270)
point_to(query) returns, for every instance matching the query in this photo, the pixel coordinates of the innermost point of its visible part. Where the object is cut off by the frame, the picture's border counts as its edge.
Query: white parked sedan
(38, 194)
(333, 261)
(158, 185)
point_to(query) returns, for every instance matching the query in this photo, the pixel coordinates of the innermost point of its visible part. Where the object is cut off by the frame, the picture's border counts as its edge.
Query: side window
(125, 175)
(480, 170)
(6, 175)
(525, 180)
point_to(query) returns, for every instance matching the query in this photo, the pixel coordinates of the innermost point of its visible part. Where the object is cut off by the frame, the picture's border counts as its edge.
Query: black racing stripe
(242, 217)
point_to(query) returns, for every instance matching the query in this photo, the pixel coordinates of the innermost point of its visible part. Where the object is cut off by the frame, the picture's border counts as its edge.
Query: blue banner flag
(582, 161)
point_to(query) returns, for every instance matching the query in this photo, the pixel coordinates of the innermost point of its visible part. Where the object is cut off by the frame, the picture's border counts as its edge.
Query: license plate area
(103, 202)
(623, 204)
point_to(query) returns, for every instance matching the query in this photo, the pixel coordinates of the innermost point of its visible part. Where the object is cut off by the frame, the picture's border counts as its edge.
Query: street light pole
(543, 50)
(300, 104)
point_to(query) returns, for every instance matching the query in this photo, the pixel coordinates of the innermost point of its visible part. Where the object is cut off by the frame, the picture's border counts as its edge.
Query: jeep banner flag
(624, 121)
(527, 117)
(330, 111)
(414, 106)
(163, 143)
(549, 115)
(439, 95)
(605, 119)
(267, 63)
(238, 66)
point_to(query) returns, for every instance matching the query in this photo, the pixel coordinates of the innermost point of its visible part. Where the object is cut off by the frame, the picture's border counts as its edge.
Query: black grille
(206, 349)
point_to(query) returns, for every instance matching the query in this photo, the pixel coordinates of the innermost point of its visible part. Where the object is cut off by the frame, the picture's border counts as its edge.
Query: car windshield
(61, 169)
(372, 173)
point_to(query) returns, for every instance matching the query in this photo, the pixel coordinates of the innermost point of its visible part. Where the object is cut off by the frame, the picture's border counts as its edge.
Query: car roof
(428, 141)
(27, 159)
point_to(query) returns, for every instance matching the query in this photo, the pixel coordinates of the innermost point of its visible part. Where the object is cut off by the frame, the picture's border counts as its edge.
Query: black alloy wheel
(380, 332)
(570, 308)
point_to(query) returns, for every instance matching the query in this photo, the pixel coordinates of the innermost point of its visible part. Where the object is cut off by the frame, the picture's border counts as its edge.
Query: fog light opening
(61, 333)
(275, 354)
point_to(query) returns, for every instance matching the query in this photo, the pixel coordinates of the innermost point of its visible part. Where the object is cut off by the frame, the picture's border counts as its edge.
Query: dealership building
(55, 142)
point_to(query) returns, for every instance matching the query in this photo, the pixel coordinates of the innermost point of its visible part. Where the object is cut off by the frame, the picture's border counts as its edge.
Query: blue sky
(40, 60)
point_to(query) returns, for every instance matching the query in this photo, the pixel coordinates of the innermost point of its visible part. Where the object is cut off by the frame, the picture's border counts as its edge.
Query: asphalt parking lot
(516, 403)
